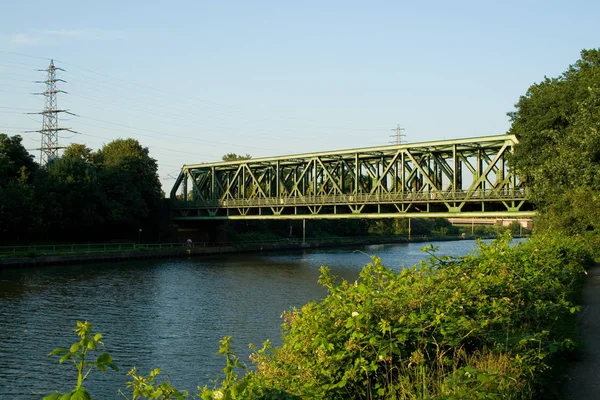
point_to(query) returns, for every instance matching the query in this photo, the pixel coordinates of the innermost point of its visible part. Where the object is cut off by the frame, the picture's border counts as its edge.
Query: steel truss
(451, 178)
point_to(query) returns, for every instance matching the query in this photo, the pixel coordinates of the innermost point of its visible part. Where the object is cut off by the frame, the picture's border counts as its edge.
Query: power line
(132, 87)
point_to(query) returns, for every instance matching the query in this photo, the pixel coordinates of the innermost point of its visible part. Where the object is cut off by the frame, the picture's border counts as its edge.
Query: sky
(194, 80)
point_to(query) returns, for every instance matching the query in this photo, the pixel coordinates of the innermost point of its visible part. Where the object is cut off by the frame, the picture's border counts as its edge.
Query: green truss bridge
(450, 178)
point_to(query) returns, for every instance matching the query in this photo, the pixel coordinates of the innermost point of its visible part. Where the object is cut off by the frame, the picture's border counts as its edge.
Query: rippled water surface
(169, 314)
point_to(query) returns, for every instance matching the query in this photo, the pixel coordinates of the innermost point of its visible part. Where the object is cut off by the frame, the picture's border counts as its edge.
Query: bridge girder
(464, 177)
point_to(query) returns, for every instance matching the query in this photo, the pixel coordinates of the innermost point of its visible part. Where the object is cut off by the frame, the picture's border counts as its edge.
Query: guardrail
(358, 199)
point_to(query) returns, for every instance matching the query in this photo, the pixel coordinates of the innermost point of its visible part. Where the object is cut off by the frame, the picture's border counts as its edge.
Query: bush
(488, 324)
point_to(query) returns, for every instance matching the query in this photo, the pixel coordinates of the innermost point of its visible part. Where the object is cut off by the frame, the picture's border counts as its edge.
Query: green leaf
(58, 351)
(81, 394)
(52, 397)
(75, 347)
(65, 358)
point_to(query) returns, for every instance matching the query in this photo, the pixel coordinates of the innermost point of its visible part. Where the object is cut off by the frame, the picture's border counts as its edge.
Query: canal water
(169, 314)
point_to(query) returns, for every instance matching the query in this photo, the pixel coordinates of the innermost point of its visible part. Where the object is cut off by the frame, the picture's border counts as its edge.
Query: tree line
(557, 123)
(83, 195)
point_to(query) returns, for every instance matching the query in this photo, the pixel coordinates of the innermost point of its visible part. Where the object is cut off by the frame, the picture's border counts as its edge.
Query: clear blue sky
(193, 80)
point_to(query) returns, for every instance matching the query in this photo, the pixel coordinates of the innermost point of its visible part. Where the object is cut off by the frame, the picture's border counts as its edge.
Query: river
(169, 314)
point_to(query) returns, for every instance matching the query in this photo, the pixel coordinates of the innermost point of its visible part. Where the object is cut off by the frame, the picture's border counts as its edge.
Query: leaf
(58, 351)
(81, 394)
(75, 347)
(65, 358)
(52, 397)
(104, 358)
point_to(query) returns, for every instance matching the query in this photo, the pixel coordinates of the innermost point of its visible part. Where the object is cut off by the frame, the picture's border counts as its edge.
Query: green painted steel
(450, 178)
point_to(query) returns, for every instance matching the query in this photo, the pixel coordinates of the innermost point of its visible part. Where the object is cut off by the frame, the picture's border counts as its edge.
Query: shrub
(488, 324)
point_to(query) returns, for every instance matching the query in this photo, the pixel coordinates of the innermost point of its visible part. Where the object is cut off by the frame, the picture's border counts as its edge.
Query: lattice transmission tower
(398, 137)
(49, 148)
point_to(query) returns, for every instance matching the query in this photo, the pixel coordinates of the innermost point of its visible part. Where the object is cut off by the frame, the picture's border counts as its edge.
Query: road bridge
(450, 178)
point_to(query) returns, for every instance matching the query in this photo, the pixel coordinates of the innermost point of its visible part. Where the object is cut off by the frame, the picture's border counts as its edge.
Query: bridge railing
(358, 199)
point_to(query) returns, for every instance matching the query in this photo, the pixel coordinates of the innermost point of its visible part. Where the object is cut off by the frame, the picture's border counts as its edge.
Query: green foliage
(129, 178)
(15, 162)
(234, 387)
(418, 226)
(147, 387)
(82, 195)
(142, 387)
(17, 196)
(235, 157)
(486, 325)
(557, 123)
(77, 352)
(73, 200)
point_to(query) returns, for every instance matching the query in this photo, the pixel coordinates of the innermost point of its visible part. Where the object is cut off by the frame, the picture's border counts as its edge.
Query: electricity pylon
(50, 128)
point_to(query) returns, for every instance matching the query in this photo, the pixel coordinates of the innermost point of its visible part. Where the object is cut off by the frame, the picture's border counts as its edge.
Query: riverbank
(64, 254)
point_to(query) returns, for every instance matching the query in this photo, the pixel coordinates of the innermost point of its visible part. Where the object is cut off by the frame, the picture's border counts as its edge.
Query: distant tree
(15, 162)
(557, 123)
(129, 178)
(18, 213)
(235, 157)
(73, 200)
(78, 151)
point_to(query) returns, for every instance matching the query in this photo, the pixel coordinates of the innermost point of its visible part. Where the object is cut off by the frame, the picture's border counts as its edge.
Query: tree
(557, 123)
(15, 162)
(17, 201)
(73, 200)
(80, 151)
(129, 178)
(235, 157)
